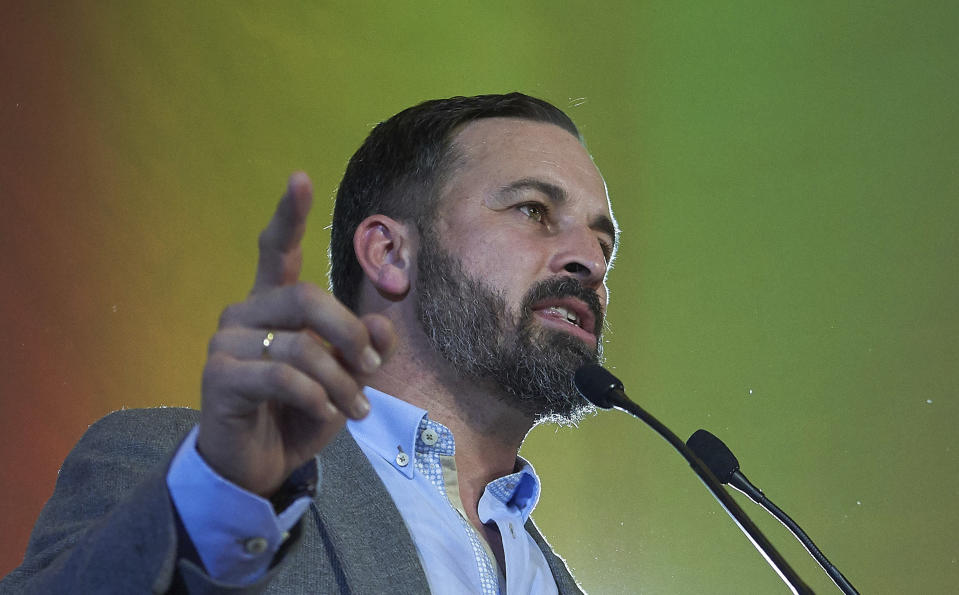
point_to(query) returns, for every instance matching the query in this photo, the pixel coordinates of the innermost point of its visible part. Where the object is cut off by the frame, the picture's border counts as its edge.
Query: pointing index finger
(280, 252)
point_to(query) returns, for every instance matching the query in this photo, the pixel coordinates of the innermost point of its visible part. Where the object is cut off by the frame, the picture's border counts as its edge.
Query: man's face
(511, 278)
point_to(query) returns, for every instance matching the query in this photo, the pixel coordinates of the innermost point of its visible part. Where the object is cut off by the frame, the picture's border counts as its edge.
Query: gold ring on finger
(267, 342)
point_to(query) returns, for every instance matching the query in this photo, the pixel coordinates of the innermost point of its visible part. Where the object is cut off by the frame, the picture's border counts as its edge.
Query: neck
(487, 429)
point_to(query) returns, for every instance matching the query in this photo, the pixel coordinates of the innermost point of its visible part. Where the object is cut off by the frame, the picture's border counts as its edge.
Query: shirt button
(255, 545)
(429, 436)
(402, 459)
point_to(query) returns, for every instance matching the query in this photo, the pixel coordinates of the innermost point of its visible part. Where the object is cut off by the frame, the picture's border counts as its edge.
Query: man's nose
(579, 256)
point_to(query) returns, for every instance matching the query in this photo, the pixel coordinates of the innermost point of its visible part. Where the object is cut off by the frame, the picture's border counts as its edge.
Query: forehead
(495, 152)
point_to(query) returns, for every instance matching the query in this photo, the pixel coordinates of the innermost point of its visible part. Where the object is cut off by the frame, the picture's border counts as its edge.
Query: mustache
(560, 287)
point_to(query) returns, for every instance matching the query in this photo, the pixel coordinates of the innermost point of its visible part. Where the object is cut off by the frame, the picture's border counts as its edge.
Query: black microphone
(725, 466)
(604, 390)
(600, 387)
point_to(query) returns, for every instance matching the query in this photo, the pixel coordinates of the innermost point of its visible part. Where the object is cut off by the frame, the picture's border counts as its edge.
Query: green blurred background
(785, 174)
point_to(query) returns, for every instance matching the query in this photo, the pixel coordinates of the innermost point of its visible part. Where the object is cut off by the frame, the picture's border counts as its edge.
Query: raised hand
(285, 367)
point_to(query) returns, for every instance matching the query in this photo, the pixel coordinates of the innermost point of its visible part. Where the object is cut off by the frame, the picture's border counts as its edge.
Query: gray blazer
(110, 526)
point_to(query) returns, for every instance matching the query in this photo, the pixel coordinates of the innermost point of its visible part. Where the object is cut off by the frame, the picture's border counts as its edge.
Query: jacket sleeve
(110, 526)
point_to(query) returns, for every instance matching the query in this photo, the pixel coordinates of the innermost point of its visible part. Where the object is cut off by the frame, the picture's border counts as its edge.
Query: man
(470, 243)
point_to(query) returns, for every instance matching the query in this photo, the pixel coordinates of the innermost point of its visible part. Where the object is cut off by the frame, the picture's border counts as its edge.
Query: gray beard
(471, 326)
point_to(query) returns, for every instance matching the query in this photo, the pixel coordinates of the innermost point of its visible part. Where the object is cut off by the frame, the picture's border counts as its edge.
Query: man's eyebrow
(557, 195)
(604, 224)
(552, 191)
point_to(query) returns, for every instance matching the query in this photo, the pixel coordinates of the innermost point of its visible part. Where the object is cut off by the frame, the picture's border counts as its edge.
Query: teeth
(571, 317)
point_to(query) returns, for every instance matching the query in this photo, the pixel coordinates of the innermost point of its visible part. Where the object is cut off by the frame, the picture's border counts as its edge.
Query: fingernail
(370, 360)
(331, 410)
(361, 405)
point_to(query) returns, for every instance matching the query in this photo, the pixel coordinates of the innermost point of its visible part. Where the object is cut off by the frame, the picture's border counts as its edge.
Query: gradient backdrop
(785, 173)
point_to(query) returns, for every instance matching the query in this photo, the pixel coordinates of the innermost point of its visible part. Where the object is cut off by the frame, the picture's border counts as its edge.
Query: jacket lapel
(368, 533)
(366, 530)
(565, 583)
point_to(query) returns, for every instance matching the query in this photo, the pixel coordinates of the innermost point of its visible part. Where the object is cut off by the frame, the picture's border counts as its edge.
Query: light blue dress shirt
(449, 548)
(236, 533)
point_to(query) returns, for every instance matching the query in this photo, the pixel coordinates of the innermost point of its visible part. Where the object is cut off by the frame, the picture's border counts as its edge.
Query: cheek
(511, 276)
(499, 256)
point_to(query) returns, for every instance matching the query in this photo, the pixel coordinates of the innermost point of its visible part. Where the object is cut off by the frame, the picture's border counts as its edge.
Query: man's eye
(533, 211)
(607, 251)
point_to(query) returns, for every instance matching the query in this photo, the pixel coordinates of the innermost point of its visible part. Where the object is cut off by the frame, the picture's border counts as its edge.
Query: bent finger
(302, 350)
(254, 382)
(306, 306)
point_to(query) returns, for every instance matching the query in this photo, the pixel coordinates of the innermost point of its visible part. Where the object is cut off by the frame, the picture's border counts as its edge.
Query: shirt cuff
(235, 532)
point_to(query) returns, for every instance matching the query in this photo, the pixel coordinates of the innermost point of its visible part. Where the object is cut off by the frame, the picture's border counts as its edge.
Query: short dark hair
(401, 166)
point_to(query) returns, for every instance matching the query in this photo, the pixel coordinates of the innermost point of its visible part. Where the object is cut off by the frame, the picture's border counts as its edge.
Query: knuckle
(301, 348)
(280, 376)
(229, 315)
(306, 295)
(215, 368)
(215, 345)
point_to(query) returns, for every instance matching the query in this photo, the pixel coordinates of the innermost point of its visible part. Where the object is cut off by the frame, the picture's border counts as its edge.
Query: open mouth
(561, 312)
(569, 314)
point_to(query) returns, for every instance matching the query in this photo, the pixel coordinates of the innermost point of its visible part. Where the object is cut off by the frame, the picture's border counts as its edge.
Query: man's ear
(383, 249)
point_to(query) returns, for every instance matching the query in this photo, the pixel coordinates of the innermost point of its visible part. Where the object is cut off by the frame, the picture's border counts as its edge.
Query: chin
(539, 381)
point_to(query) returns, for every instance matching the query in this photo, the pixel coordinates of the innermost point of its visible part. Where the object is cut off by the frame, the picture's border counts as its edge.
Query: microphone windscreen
(716, 455)
(596, 383)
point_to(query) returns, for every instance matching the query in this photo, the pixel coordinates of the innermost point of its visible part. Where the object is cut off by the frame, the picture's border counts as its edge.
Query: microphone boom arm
(759, 541)
(725, 467)
(602, 389)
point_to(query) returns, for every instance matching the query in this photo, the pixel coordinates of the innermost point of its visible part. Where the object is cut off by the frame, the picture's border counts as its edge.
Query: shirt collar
(390, 428)
(517, 491)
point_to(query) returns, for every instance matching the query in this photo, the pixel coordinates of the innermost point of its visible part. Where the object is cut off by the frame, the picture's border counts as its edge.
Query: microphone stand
(618, 399)
(742, 484)
(724, 465)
